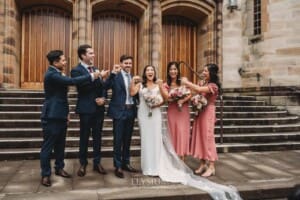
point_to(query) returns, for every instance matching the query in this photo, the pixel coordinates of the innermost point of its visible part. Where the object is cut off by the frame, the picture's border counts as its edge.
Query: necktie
(128, 80)
(128, 88)
(90, 69)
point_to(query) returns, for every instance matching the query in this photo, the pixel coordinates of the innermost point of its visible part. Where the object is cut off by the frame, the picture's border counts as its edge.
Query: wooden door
(179, 44)
(114, 34)
(43, 29)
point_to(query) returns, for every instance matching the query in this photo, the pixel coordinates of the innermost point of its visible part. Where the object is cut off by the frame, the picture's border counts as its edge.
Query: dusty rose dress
(179, 126)
(203, 144)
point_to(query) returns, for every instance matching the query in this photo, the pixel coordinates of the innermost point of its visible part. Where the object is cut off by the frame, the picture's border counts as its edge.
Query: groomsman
(55, 111)
(122, 109)
(90, 107)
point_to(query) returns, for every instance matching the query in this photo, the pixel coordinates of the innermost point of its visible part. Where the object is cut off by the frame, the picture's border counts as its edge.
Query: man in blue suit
(55, 112)
(122, 109)
(90, 107)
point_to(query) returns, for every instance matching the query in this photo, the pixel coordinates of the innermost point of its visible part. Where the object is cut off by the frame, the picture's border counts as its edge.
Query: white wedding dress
(158, 157)
(151, 136)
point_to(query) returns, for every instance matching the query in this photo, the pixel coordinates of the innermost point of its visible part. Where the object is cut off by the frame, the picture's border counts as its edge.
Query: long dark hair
(144, 77)
(169, 79)
(213, 70)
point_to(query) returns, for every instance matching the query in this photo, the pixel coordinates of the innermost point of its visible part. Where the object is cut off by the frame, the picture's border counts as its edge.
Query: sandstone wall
(273, 57)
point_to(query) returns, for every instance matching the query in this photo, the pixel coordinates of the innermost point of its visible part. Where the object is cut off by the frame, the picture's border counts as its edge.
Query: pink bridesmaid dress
(179, 127)
(203, 144)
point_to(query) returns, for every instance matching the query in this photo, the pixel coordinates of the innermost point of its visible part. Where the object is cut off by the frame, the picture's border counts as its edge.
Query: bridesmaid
(203, 144)
(178, 120)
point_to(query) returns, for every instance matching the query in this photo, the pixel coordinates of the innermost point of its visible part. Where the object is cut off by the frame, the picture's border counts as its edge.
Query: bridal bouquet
(176, 94)
(152, 99)
(198, 103)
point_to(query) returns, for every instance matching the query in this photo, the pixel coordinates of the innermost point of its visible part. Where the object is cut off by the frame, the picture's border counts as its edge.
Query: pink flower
(152, 99)
(198, 103)
(178, 93)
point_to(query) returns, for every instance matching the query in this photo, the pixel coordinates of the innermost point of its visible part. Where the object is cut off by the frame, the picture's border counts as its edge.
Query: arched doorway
(189, 34)
(114, 34)
(179, 43)
(44, 28)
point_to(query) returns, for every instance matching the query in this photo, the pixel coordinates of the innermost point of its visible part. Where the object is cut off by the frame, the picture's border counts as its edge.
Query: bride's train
(172, 169)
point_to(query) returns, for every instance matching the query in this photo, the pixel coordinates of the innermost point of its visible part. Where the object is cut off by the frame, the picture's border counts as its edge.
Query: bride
(158, 157)
(150, 119)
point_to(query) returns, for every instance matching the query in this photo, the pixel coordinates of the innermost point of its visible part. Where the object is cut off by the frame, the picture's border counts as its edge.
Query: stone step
(39, 100)
(74, 132)
(244, 129)
(37, 114)
(36, 142)
(72, 94)
(260, 121)
(72, 152)
(258, 137)
(37, 132)
(242, 147)
(37, 107)
(27, 123)
(264, 114)
(36, 123)
(26, 93)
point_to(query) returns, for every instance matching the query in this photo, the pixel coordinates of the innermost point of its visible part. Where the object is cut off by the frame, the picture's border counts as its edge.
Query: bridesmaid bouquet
(176, 94)
(198, 103)
(151, 99)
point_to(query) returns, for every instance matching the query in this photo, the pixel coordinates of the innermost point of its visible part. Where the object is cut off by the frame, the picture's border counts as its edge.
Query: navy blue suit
(54, 117)
(91, 115)
(123, 119)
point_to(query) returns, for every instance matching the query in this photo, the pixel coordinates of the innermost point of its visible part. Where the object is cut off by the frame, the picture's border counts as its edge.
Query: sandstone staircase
(249, 125)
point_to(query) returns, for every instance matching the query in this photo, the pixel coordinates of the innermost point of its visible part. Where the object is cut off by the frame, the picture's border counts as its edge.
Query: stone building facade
(153, 32)
(269, 58)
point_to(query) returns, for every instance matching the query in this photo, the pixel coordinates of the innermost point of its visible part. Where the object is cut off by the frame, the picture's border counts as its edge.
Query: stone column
(144, 41)
(10, 40)
(1, 42)
(218, 30)
(81, 26)
(232, 45)
(156, 34)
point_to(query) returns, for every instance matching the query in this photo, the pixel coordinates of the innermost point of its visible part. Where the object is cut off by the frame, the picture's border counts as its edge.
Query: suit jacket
(88, 92)
(118, 100)
(56, 88)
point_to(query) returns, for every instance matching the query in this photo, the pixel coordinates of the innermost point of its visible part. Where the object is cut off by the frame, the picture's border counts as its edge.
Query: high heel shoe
(200, 170)
(209, 172)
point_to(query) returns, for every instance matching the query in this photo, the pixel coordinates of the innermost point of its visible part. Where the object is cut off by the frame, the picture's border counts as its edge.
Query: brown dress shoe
(46, 181)
(98, 168)
(119, 173)
(129, 168)
(81, 171)
(62, 173)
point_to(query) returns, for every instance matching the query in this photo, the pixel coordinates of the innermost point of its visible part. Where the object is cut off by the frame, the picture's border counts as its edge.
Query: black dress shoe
(98, 168)
(81, 171)
(62, 173)
(119, 173)
(46, 181)
(129, 168)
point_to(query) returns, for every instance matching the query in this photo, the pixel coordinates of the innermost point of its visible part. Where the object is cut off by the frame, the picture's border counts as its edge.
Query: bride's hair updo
(144, 77)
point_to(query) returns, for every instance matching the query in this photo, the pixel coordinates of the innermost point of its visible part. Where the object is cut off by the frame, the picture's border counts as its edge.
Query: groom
(122, 109)
(90, 107)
